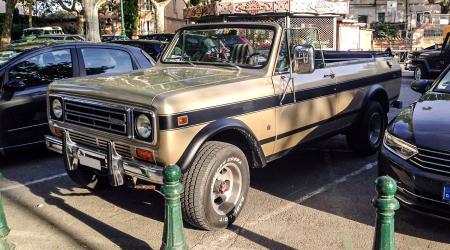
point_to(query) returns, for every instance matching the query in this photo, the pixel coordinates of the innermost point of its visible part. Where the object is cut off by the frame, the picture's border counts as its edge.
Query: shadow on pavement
(304, 171)
(293, 177)
(259, 239)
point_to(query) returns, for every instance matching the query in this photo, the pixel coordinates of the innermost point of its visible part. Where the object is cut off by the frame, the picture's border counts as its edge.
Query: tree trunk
(80, 24)
(160, 14)
(30, 14)
(5, 38)
(90, 8)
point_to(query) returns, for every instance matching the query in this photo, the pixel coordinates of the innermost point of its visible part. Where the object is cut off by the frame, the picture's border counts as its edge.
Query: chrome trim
(53, 144)
(128, 138)
(71, 110)
(419, 196)
(26, 127)
(432, 160)
(145, 171)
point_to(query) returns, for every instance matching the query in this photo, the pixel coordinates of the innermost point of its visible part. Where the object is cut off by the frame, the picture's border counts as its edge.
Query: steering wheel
(247, 59)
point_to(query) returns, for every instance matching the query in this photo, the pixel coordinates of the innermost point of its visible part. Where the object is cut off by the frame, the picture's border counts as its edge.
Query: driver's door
(23, 116)
(306, 117)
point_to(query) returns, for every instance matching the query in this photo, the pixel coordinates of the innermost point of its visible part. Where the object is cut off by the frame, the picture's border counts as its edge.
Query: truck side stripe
(169, 122)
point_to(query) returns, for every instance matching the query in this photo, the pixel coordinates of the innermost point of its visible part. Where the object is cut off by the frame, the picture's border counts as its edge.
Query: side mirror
(9, 88)
(303, 59)
(421, 86)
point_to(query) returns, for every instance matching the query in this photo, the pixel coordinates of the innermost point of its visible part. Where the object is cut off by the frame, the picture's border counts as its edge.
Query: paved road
(315, 198)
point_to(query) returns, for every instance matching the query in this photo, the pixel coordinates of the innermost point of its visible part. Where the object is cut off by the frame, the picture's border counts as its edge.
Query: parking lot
(314, 198)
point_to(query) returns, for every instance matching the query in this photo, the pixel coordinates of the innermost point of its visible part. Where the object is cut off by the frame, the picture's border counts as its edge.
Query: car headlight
(143, 126)
(399, 147)
(57, 109)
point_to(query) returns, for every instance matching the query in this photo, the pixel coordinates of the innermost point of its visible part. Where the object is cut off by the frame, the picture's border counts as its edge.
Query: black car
(431, 63)
(27, 69)
(413, 55)
(152, 47)
(416, 149)
(163, 37)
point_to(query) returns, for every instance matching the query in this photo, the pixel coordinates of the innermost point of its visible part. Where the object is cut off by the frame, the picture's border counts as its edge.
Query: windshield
(245, 47)
(444, 84)
(34, 32)
(7, 55)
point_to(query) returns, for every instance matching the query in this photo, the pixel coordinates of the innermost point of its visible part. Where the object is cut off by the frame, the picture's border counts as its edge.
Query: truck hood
(426, 123)
(141, 87)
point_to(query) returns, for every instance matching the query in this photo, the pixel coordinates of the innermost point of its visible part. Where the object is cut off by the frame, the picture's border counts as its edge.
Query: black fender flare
(214, 128)
(374, 90)
(423, 62)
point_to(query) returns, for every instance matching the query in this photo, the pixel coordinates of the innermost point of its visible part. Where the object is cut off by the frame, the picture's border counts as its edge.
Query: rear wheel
(420, 72)
(367, 133)
(216, 186)
(87, 178)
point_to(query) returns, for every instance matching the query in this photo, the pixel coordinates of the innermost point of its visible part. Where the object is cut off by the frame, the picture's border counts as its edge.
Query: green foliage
(385, 30)
(130, 9)
(194, 2)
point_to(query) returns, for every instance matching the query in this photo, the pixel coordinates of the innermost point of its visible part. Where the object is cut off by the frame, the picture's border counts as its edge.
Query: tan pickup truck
(223, 98)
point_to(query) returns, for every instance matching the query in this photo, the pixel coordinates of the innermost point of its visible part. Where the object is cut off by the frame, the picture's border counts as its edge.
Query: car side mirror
(9, 88)
(303, 59)
(421, 86)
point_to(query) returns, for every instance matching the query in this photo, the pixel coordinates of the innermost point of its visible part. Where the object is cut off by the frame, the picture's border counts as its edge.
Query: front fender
(216, 128)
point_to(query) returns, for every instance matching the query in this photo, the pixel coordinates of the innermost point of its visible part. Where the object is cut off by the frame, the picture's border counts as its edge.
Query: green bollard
(386, 204)
(4, 229)
(173, 235)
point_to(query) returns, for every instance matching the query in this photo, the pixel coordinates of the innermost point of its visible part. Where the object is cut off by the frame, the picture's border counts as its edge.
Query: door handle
(332, 75)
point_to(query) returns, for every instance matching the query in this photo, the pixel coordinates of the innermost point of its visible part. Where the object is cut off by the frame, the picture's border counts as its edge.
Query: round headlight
(57, 108)
(143, 126)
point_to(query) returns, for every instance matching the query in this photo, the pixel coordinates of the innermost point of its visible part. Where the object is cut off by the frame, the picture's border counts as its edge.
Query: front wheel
(216, 186)
(367, 133)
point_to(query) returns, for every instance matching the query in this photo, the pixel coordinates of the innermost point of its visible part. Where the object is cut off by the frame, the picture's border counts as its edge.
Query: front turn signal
(144, 154)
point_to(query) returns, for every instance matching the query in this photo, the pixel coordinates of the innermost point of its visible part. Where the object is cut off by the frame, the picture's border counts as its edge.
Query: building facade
(393, 11)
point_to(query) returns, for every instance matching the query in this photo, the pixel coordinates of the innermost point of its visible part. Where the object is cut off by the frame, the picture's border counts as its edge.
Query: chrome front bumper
(117, 167)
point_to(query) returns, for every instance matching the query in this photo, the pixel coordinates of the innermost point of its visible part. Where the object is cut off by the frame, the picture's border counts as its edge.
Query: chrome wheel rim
(375, 125)
(226, 188)
(418, 74)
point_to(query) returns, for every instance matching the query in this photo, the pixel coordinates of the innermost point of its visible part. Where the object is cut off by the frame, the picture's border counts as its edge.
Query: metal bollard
(4, 229)
(386, 204)
(173, 235)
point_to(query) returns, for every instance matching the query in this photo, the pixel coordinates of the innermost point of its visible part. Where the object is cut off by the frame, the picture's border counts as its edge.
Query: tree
(160, 6)
(385, 30)
(5, 38)
(72, 6)
(131, 15)
(90, 8)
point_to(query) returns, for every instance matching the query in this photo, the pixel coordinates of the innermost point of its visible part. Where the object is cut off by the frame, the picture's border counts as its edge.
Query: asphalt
(314, 198)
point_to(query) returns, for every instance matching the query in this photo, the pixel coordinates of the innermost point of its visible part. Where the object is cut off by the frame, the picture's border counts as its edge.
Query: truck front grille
(122, 149)
(105, 118)
(432, 161)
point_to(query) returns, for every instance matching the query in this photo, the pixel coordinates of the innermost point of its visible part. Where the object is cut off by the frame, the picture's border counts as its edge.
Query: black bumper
(418, 190)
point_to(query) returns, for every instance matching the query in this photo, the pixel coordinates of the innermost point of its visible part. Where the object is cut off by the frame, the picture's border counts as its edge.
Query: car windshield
(242, 46)
(444, 84)
(32, 32)
(7, 55)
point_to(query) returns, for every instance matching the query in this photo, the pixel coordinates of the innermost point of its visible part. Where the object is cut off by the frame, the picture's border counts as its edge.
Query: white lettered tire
(216, 186)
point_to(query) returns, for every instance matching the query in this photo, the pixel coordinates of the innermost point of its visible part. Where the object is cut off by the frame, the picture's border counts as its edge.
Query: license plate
(447, 193)
(89, 162)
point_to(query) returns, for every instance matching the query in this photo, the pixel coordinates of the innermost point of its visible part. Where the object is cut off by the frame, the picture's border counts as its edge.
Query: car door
(24, 116)
(306, 117)
(104, 60)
